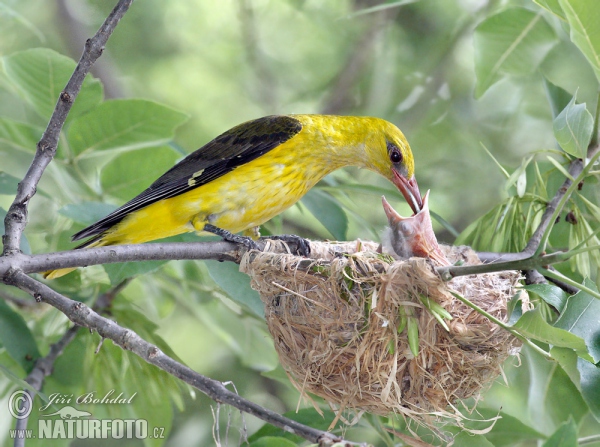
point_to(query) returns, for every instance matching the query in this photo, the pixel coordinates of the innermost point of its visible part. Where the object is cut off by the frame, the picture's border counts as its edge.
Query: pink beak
(410, 191)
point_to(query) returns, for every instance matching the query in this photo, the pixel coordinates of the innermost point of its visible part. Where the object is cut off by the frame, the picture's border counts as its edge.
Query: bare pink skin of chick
(413, 236)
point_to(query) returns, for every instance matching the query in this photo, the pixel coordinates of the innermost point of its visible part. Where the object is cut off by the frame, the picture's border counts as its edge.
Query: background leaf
(87, 213)
(573, 129)
(236, 284)
(550, 293)
(564, 436)
(8, 183)
(124, 124)
(583, 17)
(328, 212)
(559, 98)
(16, 337)
(130, 173)
(18, 136)
(590, 385)
(553, 6)
(533, 325)
(514, 41)
(120, 271)
(580, 317)
(470, 440)
(40, 74)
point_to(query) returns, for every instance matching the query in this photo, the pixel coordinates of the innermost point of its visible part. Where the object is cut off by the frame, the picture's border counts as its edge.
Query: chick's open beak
(410, 191)
(414, 236)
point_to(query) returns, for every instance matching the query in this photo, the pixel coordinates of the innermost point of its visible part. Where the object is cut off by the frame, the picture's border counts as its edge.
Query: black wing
(233, 148)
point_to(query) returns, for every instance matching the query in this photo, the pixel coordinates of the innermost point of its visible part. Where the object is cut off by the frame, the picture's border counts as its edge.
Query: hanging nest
(334, 319)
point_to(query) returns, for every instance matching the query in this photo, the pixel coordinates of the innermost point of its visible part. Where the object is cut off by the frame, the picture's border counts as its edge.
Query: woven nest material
(334, 322)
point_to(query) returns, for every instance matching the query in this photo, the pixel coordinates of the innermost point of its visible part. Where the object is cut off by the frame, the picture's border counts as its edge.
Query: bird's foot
(230, 237)
(303, 244)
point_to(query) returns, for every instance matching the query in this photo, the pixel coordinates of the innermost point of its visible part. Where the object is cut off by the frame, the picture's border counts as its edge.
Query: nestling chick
(413, 236)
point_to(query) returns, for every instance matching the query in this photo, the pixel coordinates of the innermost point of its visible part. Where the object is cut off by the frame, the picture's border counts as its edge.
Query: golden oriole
(253, 172)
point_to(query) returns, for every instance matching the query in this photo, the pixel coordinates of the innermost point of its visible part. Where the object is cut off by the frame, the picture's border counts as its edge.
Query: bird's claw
(303, 244)
(230, 237)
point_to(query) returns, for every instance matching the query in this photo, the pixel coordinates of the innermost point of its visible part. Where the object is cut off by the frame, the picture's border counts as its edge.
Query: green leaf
(465, 439)
(16, 337)
(558, 97)
(40, 75)
(552, 396)
(553, 6)
(328, 212)
(236, 284)
(533, 325)
(508, 430)
(306, 416)
(590, 385)
(566, 67)
(8, 184)
(564, 436)
(13, 15)
(380, 7)
(87, 213)
(581, 317)
(584, 17)
(272, 441)
(130, 173)
(124, 124)
(19, 136)
(550, 293)
(573, 129)
(122, 270)
(567, 358)
(513, 42)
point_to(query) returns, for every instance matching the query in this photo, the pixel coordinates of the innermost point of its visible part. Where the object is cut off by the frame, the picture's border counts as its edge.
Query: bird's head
(390, 155)
(412, 236)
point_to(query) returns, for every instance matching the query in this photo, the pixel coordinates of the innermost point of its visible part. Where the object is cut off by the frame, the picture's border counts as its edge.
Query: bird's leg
(230, 237)
(303, 244)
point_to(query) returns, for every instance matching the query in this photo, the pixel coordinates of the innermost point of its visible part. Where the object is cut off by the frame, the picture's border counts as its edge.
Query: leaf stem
(574, 185)
(559, 276)
(503, 325)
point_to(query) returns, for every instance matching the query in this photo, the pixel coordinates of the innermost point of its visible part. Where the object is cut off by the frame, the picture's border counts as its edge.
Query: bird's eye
(406, 229)
(394, 153)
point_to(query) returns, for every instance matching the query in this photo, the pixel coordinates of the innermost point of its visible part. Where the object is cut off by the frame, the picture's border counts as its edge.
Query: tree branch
(45, 365)
(82, 315)
(16, 217)
(220, 251)
(42, 369)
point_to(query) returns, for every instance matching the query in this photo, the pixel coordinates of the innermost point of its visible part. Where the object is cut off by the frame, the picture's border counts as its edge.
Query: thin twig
(570, 289)
(16, 217)
(554, 207)
(82, 315)
(503, 325)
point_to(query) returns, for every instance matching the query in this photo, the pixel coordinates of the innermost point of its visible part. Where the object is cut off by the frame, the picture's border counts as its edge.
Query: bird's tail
(97, 241)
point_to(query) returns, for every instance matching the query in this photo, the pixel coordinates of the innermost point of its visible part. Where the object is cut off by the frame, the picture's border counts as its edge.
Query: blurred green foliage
(464, 79)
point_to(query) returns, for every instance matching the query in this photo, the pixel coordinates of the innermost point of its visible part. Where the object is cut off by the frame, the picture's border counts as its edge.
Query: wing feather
(233, 148)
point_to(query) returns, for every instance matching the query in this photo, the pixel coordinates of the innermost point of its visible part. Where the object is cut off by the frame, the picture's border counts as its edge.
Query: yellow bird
(253, 172)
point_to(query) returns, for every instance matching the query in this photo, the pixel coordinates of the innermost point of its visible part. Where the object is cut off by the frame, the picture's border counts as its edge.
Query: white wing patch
(195, 175)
